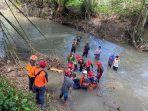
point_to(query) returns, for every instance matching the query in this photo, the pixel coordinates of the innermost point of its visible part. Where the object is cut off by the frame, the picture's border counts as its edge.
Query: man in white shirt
(98, 53)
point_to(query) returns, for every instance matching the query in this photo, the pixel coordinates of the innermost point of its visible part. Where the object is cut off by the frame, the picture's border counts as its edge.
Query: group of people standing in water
(80, 72)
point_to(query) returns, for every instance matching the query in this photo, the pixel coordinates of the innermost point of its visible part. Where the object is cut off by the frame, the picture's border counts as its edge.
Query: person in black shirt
(86, 50)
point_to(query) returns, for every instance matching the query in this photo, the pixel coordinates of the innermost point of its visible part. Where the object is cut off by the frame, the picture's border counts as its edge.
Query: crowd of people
(80, 72)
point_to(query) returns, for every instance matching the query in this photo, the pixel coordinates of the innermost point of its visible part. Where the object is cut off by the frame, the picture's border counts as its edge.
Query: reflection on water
(130, 82)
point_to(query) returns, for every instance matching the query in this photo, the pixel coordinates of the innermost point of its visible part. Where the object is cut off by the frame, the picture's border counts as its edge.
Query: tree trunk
(145, 17)
(138, 30)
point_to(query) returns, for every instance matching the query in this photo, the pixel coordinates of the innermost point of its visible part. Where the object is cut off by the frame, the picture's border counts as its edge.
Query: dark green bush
(12, 99)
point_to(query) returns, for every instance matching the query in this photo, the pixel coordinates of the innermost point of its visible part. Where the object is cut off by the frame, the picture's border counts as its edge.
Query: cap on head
(33, 57)
(42, 64)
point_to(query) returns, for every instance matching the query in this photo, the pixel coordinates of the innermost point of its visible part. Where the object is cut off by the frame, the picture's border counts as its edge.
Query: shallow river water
(127, 88)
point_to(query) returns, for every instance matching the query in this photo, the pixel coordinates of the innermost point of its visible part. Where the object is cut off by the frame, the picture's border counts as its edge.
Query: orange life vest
(81, 80)
(40, 78)
(31, 70)
(84, 83)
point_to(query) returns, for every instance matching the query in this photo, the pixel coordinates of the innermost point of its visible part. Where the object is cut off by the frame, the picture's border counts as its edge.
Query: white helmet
(84, 72)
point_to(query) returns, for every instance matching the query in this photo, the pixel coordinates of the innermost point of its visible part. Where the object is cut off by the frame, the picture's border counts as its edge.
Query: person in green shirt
(72, 59)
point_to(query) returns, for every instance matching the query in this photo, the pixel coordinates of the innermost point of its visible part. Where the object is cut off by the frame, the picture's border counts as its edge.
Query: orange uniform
(81, 80)
(40, 78)
(31, 70)
(84, 81)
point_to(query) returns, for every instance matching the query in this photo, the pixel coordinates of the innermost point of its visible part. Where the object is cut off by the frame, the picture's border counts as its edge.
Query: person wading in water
(116, 63)
(66, 87)
(86, 50)
(98, 53)
(74, 46)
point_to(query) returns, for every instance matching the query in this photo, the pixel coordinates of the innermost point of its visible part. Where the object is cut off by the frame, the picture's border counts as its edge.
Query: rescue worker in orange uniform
(93, 80)
(41, 79)
(84, 81)
(31, 67)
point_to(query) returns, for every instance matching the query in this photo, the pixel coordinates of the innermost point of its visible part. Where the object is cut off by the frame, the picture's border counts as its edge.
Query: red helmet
(78, 57)
(42, 64)
(88, 63)
(99, 64)
(68, 72)
(90, 74)
(70, 65)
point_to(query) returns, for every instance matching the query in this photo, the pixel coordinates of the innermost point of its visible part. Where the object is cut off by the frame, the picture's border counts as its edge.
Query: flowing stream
(127, 88)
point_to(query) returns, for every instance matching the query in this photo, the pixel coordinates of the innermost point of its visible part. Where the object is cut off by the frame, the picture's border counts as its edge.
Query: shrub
(74, 3)
(12, 99)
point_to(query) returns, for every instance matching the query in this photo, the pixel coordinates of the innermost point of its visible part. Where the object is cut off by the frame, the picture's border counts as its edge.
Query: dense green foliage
(124, 7)
(12, 99)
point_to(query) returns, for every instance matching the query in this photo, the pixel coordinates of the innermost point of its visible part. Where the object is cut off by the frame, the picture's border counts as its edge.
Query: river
(127, 88)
